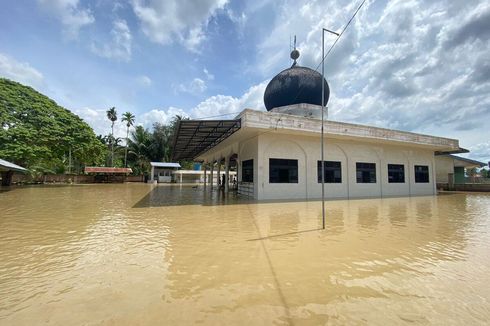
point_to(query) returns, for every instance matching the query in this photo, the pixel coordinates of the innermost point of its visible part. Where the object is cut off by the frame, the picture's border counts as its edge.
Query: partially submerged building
(277, 153)
(163, 171)
(452, 169)
(7, 170)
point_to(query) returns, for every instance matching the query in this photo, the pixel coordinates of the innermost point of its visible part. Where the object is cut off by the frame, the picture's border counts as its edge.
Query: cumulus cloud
(70, 13)
(21, 72)
(196, 86)
(163, 116)
(119, 47)
(223, 105)
(97, 119)
(183, 21)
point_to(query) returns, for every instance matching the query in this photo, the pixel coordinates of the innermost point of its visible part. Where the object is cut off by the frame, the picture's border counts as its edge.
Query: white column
(227, 173)
(181, 177)
(205, 170)
(211, 180)
(152, 174)
(219, 172)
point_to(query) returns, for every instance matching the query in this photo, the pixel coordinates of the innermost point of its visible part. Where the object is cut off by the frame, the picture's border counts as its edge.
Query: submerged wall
(306, 150)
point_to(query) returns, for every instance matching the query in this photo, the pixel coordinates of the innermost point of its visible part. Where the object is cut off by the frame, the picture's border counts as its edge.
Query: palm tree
(139, 147)
(112, 115)
(129, 118)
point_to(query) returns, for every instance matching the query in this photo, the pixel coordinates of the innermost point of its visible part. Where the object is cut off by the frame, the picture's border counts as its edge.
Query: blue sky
(414, 65)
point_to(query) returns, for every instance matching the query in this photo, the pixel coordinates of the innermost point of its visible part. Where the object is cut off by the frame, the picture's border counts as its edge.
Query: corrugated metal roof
(196, 136)
(468, 160)
(6, 166)
(102, 169)
(165, 165)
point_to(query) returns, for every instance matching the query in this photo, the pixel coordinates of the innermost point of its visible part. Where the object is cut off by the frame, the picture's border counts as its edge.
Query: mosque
(277, 154)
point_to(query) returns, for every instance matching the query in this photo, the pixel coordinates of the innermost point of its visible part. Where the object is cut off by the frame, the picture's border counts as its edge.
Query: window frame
(290, 166)
(331, 169)
(394, 171)
(248, 168)
(418, 174)
(363, 170)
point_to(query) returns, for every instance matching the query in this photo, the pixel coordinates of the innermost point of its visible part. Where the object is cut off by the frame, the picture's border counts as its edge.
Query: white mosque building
(277, 153)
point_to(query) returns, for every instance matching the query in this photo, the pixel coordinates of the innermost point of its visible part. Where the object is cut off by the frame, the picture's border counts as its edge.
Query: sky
(412, 65)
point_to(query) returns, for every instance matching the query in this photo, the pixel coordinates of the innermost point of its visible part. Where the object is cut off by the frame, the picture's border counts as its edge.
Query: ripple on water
(122, 254)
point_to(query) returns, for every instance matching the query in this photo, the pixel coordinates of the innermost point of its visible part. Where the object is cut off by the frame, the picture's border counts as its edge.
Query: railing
(246, 189)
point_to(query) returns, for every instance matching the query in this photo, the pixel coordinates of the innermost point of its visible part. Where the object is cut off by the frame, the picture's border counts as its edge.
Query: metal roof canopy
(194, 137)
(9, 166)
(165, 165)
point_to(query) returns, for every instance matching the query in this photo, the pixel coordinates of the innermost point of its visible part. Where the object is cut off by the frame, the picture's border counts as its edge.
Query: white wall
(248, 150)
(444, 166)
(307, 151)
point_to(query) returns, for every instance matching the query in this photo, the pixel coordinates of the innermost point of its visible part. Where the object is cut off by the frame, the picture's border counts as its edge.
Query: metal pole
(323, 107)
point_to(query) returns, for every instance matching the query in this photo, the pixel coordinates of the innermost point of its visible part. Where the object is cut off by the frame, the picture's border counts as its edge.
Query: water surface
(137, 254)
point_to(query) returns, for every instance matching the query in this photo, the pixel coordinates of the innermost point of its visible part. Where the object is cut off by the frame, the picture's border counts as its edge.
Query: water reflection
(121, 254)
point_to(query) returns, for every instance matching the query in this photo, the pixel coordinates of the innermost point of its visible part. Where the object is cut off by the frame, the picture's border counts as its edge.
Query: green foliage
(139, 150)
(36, 132)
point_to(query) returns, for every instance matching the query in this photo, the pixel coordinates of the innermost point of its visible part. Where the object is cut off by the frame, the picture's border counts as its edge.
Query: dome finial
(294, 53)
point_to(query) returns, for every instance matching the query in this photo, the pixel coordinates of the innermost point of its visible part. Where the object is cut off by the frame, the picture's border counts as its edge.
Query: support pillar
(211, 181)
(7, 178)
(180, 178)
(218, 179)
(227, 173)
(152, 176)
(205, 171)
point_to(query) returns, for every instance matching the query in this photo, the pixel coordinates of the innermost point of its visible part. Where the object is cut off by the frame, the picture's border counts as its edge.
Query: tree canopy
(35, 131)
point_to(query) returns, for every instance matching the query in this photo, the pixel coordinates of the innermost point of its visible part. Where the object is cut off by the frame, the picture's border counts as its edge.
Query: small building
(7, 170)
(161, 172)
(107, 174)
(277, 153)
(452, 169)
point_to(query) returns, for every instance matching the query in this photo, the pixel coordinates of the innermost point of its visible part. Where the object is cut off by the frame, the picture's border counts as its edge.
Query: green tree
(139, 149)
(37, 133)
(112, 116)
(127, 117)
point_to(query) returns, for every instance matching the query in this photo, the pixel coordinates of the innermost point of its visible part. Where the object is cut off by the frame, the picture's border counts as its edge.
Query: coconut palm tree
(127, 117)
(112, 116)
(139, 148)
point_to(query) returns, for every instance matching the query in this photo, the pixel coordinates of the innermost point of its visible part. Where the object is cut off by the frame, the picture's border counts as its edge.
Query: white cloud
(119, 47)
(147, 119)
(97, 119)
(172, 20)
(208, 75)
(222, 105)
(71, 15)
(144, 81)
(21, 72)
(481, 152)
(196, 86)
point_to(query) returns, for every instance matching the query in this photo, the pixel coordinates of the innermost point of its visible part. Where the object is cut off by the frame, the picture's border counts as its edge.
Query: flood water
(137, 254)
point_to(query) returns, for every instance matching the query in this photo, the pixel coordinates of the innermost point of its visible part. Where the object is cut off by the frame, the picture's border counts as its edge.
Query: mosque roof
(296, 85)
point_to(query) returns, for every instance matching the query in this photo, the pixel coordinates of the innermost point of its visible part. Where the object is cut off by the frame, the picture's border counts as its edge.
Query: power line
(318, 66)
(341, 33)
(334, 43)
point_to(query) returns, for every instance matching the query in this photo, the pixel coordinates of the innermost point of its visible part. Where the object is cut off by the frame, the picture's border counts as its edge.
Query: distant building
(452, 169)
(7, 170)
(162, 171)
(277, 153)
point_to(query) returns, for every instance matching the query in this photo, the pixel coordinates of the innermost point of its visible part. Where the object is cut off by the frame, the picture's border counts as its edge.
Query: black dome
(295, 85)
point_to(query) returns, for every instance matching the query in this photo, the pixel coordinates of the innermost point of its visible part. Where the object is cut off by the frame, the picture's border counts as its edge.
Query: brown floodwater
(137, 254)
